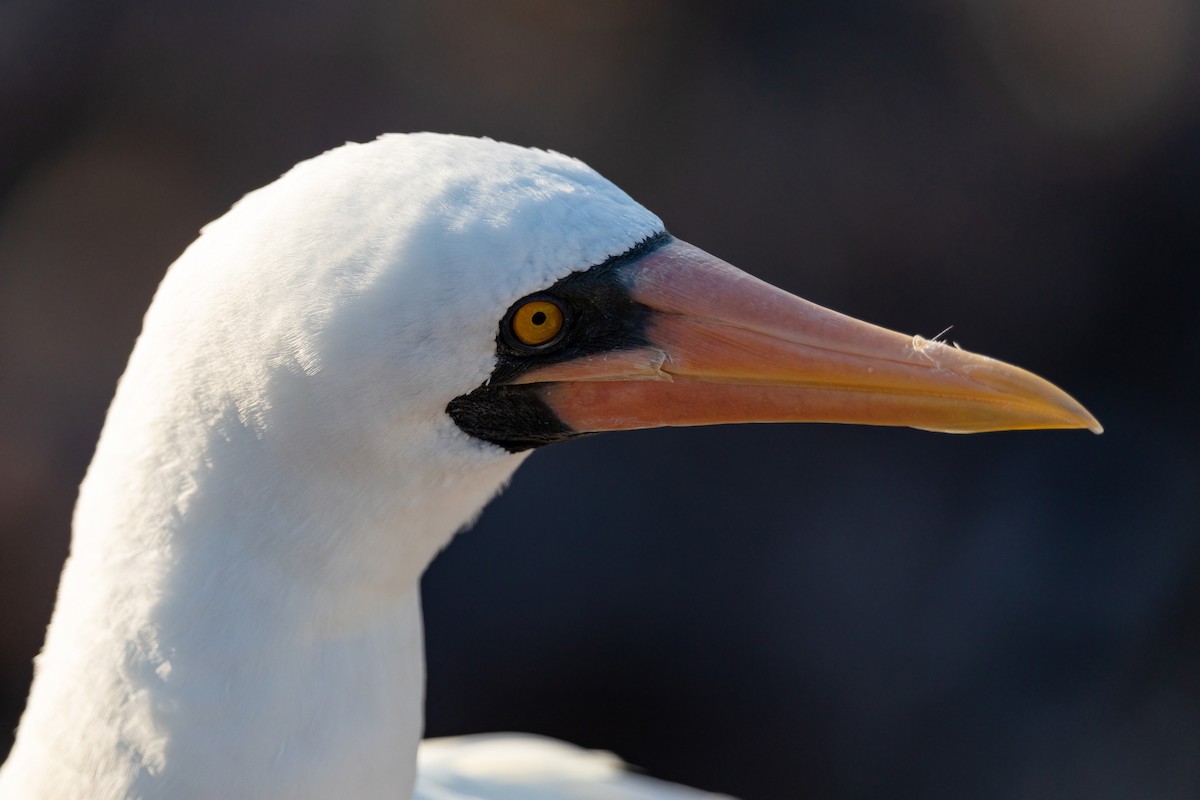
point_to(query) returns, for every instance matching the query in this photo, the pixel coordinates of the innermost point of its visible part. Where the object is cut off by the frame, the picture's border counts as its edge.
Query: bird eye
(537, 322)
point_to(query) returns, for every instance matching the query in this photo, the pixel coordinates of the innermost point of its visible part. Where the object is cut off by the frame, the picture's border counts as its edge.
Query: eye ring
(535, 323)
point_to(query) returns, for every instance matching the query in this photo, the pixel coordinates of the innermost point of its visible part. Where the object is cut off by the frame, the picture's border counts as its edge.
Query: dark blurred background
(774, 612)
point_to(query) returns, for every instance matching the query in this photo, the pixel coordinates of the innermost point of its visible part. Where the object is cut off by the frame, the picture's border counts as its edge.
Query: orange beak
(723, 346)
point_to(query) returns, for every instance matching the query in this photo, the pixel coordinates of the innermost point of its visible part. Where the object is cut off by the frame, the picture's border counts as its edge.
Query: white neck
(240, 614)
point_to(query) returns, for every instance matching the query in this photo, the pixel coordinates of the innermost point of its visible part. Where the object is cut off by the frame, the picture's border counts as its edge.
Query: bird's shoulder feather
(509, 766)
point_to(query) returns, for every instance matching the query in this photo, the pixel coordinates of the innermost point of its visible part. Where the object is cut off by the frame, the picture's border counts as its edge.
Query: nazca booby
(334, 379)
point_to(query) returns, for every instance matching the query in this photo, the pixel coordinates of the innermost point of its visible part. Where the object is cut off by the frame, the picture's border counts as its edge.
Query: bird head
(505, 297)
(501, 298)
(455, 301)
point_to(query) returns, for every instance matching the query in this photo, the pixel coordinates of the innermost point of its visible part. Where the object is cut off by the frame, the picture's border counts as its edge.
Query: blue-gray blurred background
(774, 612)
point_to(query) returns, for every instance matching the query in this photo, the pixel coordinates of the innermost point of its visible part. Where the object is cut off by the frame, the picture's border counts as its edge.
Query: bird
(330, 383)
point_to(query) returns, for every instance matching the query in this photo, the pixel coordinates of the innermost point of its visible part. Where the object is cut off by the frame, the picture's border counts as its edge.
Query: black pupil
(538, 318)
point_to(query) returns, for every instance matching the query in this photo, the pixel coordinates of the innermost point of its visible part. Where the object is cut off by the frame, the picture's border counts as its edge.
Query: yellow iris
(537, 322)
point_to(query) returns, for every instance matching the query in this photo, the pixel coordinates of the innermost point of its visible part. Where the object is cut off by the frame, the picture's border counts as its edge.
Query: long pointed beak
(723, 346)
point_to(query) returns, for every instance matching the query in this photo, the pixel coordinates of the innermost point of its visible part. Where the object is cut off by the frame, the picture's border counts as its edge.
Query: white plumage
(239, 616)
(523, 767)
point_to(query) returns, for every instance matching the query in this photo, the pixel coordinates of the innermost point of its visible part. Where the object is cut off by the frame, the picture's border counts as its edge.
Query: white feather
(525, 767)
(239, 616)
